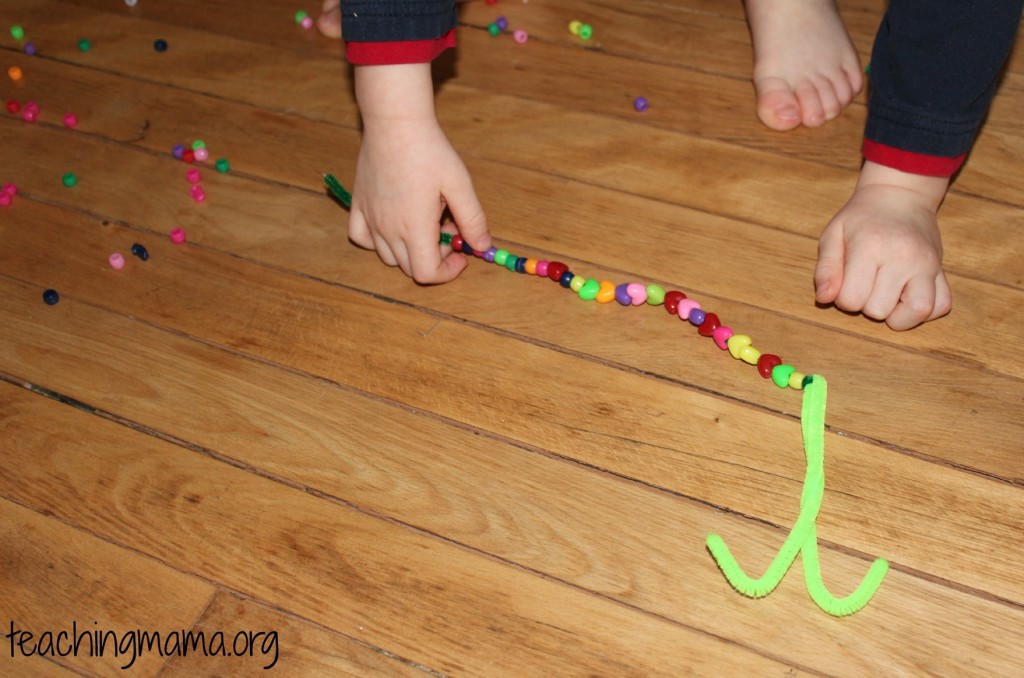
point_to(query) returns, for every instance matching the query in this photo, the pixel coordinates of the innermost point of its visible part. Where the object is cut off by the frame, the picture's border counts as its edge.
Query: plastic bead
(178, 151)
(193, 176)
(574, 26)
(222, 165)
(807, 381)
(607, 292)
(640, 104)
(556, 269)
(300, 15)
(655, 295)
(70, 120)
(586, 31)
(198, 143)
(500, 256)
(750, 355)
(493, 29)
(588, 292)
(30, 48)
(5, 200)
(697, 316)
(140, 251)
(160, 45)
(721, 335)
(542, 268)
(31, 106)
(14, 73)
(457, 242)
(710, 324)
(622, 295)
(520, 36)
(188, 155)
(637, 293)
(116, 261)
(530, 266)
(781, 374)
(9, 189)
(84, 45)
(796, 380)
(29, 115)
(577, 283)
(672, 300)
(17, 32)
(502, 23)
(178, 235)
(197, 193)
(13, 106)
(201, 154)
(684, 307)
(69, 179)
(307, 23)
(489, 254)
(735, 344)
(766, 363)
(50, 297)
(566, 278)
(511, 262)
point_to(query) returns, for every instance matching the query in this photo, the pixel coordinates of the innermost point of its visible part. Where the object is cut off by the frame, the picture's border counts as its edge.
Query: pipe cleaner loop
(803, 538)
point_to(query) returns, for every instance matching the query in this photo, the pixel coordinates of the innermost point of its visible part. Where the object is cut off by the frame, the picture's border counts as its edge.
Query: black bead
(140, 251)
(51, 297)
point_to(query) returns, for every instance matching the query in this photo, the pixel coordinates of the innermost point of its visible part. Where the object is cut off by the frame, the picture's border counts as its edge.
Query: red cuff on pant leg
(398, 52)
(914, 163)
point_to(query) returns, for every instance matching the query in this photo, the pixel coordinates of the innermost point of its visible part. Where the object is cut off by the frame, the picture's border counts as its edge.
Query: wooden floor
(267, 431)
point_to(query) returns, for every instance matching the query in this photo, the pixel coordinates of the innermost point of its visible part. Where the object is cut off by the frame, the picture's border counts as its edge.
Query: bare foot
(805, 67)
(329, 21)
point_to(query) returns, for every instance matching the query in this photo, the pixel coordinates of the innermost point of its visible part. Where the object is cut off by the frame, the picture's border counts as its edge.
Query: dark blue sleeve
(396, 20)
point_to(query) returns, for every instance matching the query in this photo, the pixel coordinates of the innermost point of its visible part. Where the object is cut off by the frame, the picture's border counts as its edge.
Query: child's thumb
(828, 275)
(469, 216)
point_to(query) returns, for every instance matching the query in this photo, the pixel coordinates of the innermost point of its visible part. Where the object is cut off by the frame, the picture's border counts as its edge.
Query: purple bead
(622, 296)
(30, 48)
(502, 23)
(489, 255)
(640, 104)
(697, 317)
(178, 150)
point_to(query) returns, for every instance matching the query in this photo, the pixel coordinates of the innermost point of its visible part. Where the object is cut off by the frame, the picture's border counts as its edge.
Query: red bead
(766, 362)
(457, 242)
(189, 156)
(710, 324)
(13, 106)
(672, 300)
(556, 270)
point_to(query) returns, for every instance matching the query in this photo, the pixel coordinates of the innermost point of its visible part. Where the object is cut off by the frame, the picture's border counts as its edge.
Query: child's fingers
(915, 305)
(426, 266)
(828, 274)
(359, 230)
(943, 297)
(469, 214)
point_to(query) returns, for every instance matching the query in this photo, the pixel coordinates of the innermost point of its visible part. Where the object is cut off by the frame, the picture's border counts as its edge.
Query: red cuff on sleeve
(398, 52)
(914, 163)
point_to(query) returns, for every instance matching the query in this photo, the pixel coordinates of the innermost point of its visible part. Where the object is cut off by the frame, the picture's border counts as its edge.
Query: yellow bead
(574, 27)
(749, 354)
(796, 381)
(606, 293)
(531, 266)
(736, 343)
(577, 283)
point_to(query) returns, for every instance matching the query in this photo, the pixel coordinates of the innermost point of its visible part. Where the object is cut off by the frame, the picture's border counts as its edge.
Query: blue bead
(521, 265)
(566, 278)
(697, 317)
(466, 249)
(51, 297)
(160, 45)
(140, 251)
(178, 151)
(502, 23)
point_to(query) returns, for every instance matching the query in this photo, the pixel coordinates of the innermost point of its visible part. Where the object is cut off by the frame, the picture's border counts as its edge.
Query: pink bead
(5, 199)
(193, 176)
(685, 306)
(178, 235)
(31, 106)
(637, 293)
(542, 269)
(197, 193)
(70, 120)
(116, 261)
(721, 336)
(9, 189)
(201, 154)
(29, 115)
(520, 36)
(307, 22)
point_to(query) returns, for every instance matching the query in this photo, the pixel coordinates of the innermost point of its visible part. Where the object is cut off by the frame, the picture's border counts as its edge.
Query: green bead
(446, 238)
(493, 29)
(223, 165)
(17, 32)
(500, 257)
(84, 45)
(198, 143)
(655, 295)
(510, 262)
(69, 179)
(586, 31)
(781, 374)
(589, 290)
(299, 16)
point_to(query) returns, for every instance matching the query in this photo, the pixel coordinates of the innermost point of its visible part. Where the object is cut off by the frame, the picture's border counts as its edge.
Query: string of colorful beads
(675, 302)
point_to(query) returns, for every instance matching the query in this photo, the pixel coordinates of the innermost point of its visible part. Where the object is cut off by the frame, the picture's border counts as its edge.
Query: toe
(812, 112)
(329, 21)
(777, 107)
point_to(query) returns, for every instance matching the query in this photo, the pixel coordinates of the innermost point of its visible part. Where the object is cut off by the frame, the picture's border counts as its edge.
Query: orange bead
(15, 73)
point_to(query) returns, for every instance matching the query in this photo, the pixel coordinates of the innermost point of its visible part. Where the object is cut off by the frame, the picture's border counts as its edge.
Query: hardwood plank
(300, 648)
(618, 539)
(356, 574)
(616, 422)
(56, 578)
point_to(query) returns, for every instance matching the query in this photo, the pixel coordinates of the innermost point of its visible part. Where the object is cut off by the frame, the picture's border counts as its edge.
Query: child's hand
(882, 253)
(407, 173)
